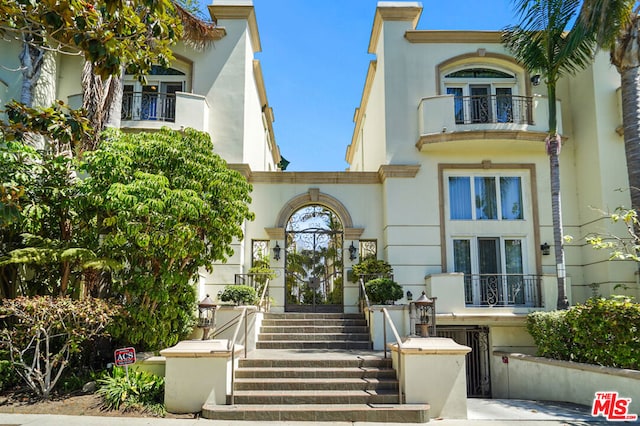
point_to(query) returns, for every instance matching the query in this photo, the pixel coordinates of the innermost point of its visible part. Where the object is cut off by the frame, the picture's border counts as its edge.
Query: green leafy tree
(616, 24)
(39, 253)
(110, 34)
(545, 42)
(163, 205)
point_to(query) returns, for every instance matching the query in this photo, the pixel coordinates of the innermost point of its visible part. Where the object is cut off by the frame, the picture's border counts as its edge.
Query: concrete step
(314, 344)
(289, 397)
(323, 384)
(315, 363)
(314, 329)
(313, 316)
(380, 413)
(303, 337)
(313, 323)
(313, 372)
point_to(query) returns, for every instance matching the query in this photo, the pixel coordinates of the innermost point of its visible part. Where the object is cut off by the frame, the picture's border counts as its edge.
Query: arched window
(483, 94)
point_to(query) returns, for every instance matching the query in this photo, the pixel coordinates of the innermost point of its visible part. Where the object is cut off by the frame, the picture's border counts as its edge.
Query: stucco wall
(520, 376)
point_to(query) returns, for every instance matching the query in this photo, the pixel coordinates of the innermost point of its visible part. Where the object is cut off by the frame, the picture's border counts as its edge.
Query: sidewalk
(481, 412)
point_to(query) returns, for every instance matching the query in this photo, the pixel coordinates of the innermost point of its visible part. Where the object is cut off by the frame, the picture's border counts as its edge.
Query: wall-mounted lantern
(535, 79)
(206, 316)
(545, 249)
(276, 251)
(352, 251)
(409, 296)
(425, 309)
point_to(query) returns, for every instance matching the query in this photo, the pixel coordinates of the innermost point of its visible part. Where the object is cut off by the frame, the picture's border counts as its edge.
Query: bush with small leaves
(239, 294)
(382, 291)
(42, 334)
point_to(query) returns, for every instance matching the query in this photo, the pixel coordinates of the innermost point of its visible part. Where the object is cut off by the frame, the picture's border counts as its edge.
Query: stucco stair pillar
(433, 372)
(197, 372)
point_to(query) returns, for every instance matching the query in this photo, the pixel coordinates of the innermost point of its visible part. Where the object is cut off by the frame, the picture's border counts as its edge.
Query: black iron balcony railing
(148, 106)
(493, 109)
(502, 290)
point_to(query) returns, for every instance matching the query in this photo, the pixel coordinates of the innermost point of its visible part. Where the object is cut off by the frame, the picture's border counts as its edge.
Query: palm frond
(607, 18)
(197, 33)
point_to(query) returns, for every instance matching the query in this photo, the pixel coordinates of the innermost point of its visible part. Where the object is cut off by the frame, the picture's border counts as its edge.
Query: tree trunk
(31, 60)
(630, 79)
(556, 212)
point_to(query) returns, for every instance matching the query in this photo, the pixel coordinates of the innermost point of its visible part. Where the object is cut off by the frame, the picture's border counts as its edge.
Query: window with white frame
(486, 95)
(485, 197)
(155, 99)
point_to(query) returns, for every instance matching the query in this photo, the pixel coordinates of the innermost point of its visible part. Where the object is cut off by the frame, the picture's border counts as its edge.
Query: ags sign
(125, 356)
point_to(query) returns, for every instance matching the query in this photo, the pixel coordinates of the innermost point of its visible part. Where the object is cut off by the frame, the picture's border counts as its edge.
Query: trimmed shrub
(606, 332)
(239, 294)
(381, 291)
(551, 334)
(601, 331)
(371, 267)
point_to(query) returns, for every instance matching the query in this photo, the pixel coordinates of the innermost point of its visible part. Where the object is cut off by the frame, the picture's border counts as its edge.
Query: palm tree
(616, 24)
(544, 44)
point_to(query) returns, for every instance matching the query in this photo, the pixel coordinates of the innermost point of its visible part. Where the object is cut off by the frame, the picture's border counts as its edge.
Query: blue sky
(314, 60)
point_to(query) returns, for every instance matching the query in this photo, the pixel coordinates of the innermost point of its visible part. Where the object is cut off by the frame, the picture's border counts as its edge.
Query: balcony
(138, 106)
(487, 294)
(144, 111)
(502, 290)
(448, 118)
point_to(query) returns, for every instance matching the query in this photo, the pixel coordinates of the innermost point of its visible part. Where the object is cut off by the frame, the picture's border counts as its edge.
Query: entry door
(480, 103)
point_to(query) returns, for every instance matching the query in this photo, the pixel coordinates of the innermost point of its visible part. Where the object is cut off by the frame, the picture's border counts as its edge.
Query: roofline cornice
(389, 11)
(239, 11)
(445, 36)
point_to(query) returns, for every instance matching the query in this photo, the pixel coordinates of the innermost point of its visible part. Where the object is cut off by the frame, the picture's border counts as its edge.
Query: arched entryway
(314, 266)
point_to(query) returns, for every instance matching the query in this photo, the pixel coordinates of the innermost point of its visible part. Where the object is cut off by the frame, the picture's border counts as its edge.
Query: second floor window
(485, 198)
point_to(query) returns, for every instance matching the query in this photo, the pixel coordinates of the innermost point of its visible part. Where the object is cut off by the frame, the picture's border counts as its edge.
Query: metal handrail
(365, 297)
(231, 346)
(400, 347)
(265, 292)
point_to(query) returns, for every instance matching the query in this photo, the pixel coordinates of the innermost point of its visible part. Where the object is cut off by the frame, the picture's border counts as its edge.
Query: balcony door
(155, 99)
(493, 268)
(480, 103)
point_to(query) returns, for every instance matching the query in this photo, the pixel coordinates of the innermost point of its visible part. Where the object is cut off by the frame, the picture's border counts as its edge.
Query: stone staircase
(316, 367)
(314, 331)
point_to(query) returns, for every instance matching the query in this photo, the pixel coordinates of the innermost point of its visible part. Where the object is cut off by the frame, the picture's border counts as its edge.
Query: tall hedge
(600, 331)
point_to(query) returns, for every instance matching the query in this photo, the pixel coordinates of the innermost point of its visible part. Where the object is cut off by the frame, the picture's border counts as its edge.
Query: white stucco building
(448, 178)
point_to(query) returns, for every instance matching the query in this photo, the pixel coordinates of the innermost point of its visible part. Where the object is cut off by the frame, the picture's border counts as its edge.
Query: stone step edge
(314, 380)
(318, 407)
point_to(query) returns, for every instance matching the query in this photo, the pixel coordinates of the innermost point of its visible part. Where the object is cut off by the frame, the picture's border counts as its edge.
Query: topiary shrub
(239, 295)
(382, 291)
(371, 268)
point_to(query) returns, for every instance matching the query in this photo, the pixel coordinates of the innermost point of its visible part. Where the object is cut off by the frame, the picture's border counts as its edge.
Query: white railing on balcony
(448, 113)
(502, 290)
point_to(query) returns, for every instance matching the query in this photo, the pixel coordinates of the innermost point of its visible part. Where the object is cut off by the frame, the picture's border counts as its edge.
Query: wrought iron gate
(313, 262)
(477, 361)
